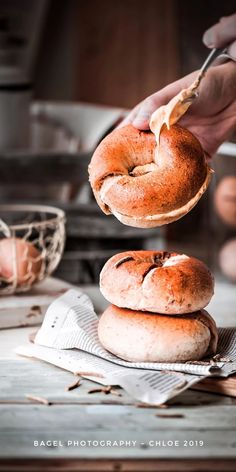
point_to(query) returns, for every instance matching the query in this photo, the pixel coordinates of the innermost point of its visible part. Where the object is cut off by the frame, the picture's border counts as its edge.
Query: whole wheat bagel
(143, 187)
(146, 337)
(157, 281)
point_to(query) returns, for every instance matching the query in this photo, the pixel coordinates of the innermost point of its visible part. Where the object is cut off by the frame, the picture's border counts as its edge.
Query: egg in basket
(32, 239)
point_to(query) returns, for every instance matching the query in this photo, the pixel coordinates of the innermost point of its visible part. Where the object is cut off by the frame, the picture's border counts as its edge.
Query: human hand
(222, 34)
(212, 116)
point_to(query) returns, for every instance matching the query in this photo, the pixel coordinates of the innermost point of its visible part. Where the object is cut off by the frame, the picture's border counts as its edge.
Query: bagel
(144, 337)
(144, 184)
(157, 281)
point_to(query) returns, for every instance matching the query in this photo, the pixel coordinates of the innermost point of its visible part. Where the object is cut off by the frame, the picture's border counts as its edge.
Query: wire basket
(32, 239)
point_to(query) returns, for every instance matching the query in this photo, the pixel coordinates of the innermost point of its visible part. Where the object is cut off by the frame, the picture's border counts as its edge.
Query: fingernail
(208, 38)
(141, 121)
(140, 124)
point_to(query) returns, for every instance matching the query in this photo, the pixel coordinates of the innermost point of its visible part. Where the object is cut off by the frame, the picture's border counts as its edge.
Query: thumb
(147, 107)
(156, 100)
(222, 33)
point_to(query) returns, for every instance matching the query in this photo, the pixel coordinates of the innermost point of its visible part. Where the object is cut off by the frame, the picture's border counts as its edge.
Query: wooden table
(76, 415)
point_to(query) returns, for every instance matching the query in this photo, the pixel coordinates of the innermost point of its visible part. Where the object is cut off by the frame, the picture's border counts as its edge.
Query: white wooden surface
(78, 415)
(28, 309)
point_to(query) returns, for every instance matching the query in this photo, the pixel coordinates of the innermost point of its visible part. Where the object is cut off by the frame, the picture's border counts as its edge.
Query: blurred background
(69, 70)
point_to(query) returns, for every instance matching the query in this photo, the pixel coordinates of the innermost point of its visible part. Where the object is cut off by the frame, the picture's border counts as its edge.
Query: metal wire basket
(32, 239)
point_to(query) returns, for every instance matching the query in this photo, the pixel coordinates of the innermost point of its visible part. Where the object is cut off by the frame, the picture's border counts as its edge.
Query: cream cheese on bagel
(172, 112)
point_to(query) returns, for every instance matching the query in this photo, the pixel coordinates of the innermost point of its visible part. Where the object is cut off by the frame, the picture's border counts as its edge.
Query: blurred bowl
(32, 239)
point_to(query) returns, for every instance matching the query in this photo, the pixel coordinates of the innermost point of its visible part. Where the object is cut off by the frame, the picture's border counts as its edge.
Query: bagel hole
(137, 171)
(158, 261)
(161, 258)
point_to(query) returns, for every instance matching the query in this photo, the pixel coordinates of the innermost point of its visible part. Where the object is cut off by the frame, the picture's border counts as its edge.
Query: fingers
(221, 34)
(130, 117)
(217, 90)
(147, 107)
(141, 114)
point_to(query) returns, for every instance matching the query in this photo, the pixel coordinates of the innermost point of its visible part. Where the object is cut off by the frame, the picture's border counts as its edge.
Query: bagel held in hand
(144, 337)
(140, 190)
(150, 179)
(157, 281)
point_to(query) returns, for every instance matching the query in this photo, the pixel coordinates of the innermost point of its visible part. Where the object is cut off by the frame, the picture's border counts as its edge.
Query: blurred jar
(224, 210)
(15, 95)
(14, 89)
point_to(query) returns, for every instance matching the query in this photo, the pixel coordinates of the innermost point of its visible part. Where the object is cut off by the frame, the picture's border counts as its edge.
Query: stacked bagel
(157, 307)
